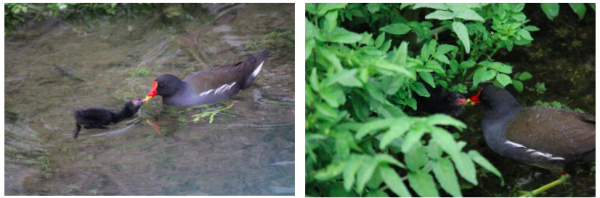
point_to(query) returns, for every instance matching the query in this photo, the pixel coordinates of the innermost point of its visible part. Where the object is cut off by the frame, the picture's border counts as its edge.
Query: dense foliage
(364, 62)
(16, 14)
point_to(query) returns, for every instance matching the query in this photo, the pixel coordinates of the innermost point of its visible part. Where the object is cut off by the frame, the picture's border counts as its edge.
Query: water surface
(54, 67)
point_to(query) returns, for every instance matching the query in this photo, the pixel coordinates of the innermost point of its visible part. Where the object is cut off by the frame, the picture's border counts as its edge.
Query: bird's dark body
(536, 135)
(99, 118)
(212, 85)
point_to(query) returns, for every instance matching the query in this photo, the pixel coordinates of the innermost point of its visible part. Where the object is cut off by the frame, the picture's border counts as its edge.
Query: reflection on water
(58, 67)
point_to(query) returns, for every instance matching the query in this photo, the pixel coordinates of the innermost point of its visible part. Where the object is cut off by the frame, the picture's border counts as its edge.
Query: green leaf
(489, 75)
(346, 78)
(310, 44)
(519, 16)
(445, 141)
(412, 138)
(392, 84)
(432, 46)
(375, 181)
(325, 110)
(593, 5)
(373, 7)
(454, 65)
(337, 190)
(310, 29)
(578, 8)
(422, 183)
(395, 131)
(402, 53)
(341, 35)
(434, 151)
(376, 192)
(334, 96)
(500, 67)
(314, 82)
(416, 157)
(525, 76)
(396, 68)
(411, 102)
(440, 15)
(388, 159)
(503, 79)
(441, 57)
(393, 181)
(310, 8)
(445, 48)
(517, 7)
(386, 45)
(461, 31)
(403, 5)
(443, 119)
(396, 28)
(310, 96)
(531, 28)
(342, 149)
(373, 126)
(428, 78)
(437, 6)
(550, 9)
(478, 76)
(379, 40)
(467, 64)
(444, 173)
(425, 52)
(468, 14)
(333, 60)
(435, 66)
(518, 85)
(420, 89)
(364, 174)
(322, 8)
(331, 21)
(329, 172)
(351, 167)
(360, 106)
(465, 167)
(477, 158)
(525, 34)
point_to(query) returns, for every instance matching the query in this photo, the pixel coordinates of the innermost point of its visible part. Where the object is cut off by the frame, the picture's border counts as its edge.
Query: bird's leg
(563, 178)
(76, 131)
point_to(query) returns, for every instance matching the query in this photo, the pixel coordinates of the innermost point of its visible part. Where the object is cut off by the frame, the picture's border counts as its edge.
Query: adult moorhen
(540, 136)
(451, 103)
(99, 118)
(208, 86)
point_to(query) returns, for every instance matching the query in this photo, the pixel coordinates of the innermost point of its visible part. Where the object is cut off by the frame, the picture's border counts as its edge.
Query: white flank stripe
(206, 92)
(224, 88)
(514, 144)
(257, 70)
(533, 151)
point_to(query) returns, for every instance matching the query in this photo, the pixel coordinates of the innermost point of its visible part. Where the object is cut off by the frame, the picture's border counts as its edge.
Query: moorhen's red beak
(152, 92)
(475, 99)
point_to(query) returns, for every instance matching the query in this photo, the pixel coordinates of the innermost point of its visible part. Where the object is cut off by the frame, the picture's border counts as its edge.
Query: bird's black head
(165, 85)
(495, 98)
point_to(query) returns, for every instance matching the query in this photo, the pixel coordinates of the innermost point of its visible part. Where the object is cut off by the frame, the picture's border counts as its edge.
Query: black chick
(99, 118)
(451, 103)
